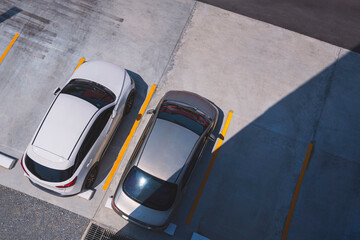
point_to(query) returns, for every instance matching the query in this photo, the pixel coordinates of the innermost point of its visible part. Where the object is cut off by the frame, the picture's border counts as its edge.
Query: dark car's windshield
(149, 190)
(47, 174)
(184, 117)
(94, 93)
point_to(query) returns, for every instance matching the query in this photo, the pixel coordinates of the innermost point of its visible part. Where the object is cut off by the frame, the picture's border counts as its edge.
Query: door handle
(89, 163)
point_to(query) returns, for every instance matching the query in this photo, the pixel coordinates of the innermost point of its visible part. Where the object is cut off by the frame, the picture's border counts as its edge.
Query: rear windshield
(47, 174)
(149, 190)
(183, 117)
(94, 93)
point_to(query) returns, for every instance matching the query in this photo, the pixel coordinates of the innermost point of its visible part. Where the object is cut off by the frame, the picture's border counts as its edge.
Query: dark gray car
(154, 180)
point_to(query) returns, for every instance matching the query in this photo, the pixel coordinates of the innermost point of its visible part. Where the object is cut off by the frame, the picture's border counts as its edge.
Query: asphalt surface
(332, 21)
(25, 217)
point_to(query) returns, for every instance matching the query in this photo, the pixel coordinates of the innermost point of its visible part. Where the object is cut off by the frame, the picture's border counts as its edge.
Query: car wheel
(91, 177)
(129, 102)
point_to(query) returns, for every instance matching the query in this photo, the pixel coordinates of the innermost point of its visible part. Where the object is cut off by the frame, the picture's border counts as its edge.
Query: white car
(62, 157)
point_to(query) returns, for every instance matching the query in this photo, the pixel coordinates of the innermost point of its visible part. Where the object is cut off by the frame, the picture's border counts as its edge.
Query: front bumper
(135, 221)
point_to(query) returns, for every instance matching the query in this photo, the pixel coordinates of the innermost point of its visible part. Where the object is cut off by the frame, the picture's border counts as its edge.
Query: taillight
(69, 184)
(21, 162)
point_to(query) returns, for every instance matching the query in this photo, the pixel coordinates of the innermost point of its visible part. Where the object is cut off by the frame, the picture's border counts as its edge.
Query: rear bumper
(59, 194)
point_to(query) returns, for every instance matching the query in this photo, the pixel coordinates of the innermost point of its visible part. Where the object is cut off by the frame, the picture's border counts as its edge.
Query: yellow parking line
(82, 60)
(128, 139)
(208, 170)
(8, 47)
(296, 192)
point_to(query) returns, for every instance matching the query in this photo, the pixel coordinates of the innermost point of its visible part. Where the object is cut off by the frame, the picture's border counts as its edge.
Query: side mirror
(56, 91)
(113, 115)
(212, 137)
(150, 111)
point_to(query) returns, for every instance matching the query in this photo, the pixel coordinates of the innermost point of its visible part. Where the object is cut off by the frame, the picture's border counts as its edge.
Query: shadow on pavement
(250, 188)
(9, 14)
(332, 21)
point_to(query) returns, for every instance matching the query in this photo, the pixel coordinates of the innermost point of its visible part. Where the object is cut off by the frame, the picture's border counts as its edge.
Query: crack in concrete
(169, 63)
(327, 92)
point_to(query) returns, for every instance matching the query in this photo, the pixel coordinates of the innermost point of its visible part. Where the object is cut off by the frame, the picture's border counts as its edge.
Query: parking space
(53, 38)
(328, 205)
(285, 90)
(277, 83)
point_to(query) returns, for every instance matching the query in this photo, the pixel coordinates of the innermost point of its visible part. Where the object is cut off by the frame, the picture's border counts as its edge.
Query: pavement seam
(171, 57)
(252, 124)
(327, 92)
(177, 45)
(277, 133)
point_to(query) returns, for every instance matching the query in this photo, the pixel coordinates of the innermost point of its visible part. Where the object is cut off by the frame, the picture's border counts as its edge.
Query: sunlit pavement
(286, 90)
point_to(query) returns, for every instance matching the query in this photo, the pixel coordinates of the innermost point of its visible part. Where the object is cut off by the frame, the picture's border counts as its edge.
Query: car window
(149, 190)
(92, 92)
(187, 173)
(183, 117)
(93, 134)
(47, 174)
(191, 164)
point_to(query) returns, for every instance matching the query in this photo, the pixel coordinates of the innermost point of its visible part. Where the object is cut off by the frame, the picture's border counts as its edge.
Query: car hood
(104, 73)
(139, 212)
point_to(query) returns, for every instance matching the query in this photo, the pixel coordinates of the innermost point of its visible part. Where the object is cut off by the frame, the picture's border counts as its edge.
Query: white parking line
(7, 161)
(87, 195)
(197, 236)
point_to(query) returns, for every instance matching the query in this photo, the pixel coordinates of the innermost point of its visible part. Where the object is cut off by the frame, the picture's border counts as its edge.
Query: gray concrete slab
(139, 36)
(332, 21)
(53, 36)
(249, 66)
(277, 83)
(280, 84)
(339, 127)
(328, 203)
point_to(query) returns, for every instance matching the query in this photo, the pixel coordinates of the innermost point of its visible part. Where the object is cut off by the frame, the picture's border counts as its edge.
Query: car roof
(63, 125)
(167, 150)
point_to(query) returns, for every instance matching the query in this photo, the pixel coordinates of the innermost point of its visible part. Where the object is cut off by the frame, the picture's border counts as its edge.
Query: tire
(129, 102)
(91, 177)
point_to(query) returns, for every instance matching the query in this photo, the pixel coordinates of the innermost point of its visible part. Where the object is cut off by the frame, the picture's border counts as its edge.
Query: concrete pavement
(286, 89)
(332, 21)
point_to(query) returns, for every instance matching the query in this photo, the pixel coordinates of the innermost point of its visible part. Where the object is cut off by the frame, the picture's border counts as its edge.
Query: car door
(190, 167)
(114, 120)
(93, 143)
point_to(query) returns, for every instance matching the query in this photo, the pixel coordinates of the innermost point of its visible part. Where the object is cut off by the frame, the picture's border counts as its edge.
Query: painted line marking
(208, 170)
(82, 60)
(128, 139)
(296, 192)
(8, 47)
